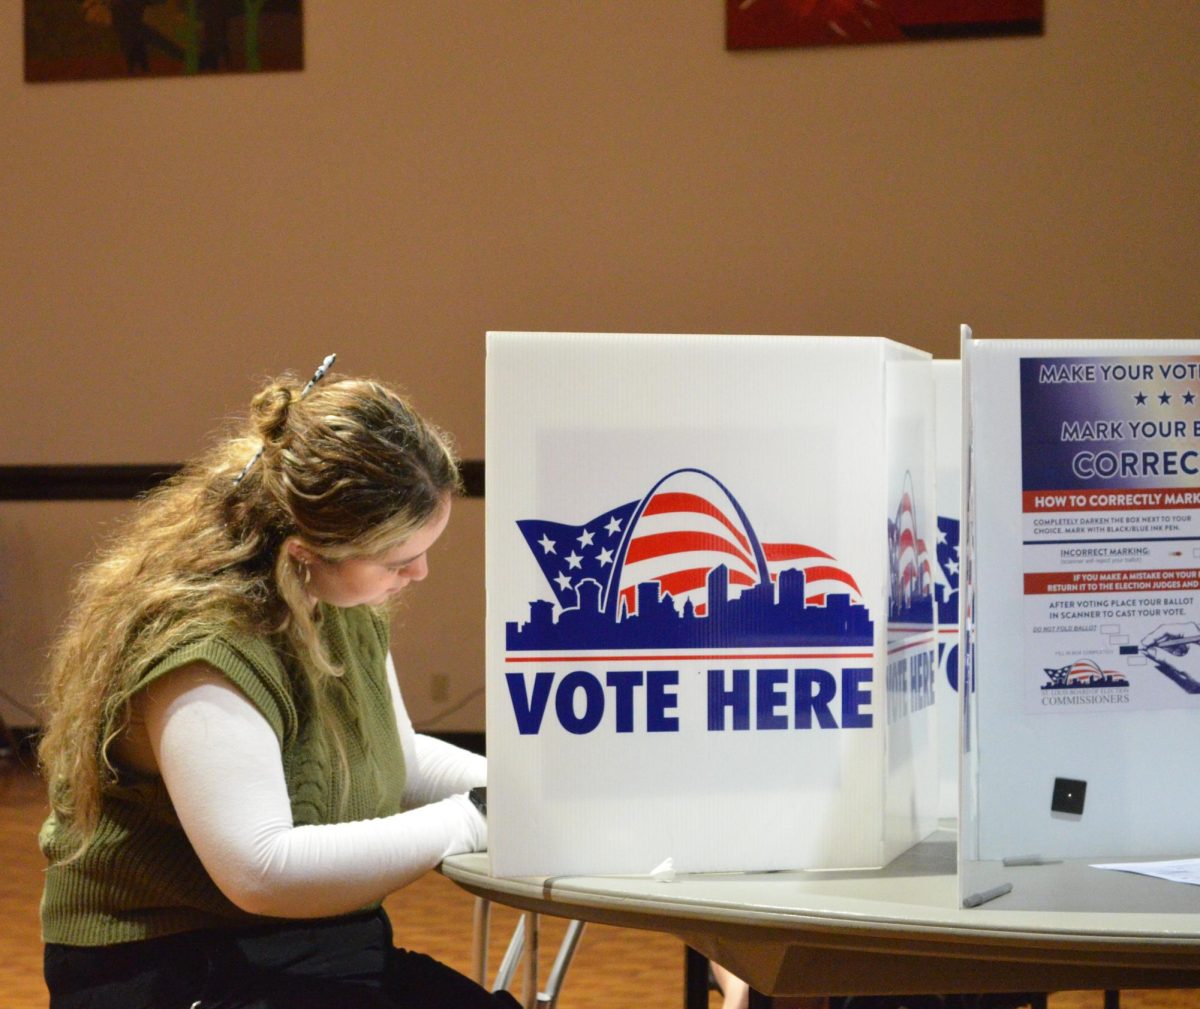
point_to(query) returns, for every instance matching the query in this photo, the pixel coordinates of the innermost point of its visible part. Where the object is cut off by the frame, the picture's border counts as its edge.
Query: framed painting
(94, 39)
(763, 24)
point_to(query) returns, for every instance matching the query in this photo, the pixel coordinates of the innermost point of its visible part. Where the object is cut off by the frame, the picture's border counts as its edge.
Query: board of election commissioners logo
(1173, 651)
(1084, 682)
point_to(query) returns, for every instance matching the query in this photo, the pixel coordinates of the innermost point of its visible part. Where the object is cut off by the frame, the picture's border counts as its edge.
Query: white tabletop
(900, 929)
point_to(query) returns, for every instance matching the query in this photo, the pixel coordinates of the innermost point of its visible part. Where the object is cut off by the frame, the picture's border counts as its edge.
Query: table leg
(531, 961)
(512, 957)
(481, 926)
(695, 979)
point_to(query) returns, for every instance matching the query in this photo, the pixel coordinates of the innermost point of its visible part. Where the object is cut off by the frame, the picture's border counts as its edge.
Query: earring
(306, 575)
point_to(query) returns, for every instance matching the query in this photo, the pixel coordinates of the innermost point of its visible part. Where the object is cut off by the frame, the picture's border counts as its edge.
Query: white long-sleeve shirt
(221, 764)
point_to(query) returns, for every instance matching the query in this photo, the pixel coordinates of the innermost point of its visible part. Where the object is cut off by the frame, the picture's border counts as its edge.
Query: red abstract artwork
(761, 24)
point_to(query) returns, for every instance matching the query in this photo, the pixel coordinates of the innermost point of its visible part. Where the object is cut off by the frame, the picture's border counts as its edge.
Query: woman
(235, 785)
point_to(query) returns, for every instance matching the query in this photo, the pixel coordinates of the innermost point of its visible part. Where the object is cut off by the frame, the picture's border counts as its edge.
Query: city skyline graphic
(1082, 673)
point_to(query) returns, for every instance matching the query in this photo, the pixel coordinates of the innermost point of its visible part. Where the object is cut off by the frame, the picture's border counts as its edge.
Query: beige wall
(443, 169)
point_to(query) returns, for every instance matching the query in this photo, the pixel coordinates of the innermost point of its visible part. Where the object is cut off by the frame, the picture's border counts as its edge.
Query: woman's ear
(298, 551)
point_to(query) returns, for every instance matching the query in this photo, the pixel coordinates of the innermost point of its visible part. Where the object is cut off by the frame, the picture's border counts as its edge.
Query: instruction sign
(1110, 465)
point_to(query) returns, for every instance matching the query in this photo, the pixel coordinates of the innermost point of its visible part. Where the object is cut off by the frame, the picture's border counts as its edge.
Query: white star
(604, 557)
(586, 539)
(614, 525)
(574, 560)
(547, 544)
(952, 567)
(941, 535)
(563, 581)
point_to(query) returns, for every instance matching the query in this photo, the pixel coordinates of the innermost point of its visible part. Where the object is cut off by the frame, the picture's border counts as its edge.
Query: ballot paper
(1180, 870)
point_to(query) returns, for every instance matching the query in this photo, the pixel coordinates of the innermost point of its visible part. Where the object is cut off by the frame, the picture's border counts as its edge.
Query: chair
(523, 945)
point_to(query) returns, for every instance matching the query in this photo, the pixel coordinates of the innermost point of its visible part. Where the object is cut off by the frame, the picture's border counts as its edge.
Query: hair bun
(269, 411)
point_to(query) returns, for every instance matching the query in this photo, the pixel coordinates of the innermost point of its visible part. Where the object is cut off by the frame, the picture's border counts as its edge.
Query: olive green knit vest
(140, 878)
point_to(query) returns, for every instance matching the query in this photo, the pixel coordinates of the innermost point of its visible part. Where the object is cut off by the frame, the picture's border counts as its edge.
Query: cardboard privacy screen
(710, 602)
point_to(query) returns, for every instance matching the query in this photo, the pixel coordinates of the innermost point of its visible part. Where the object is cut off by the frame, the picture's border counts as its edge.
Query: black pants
(343, 963)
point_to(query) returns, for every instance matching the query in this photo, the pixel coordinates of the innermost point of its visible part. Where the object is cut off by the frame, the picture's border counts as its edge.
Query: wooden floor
(612, 967)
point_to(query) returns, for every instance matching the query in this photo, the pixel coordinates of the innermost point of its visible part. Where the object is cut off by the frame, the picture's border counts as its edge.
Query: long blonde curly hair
(351, 470)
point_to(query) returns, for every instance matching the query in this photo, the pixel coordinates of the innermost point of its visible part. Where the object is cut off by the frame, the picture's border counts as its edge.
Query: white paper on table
(1180, 870)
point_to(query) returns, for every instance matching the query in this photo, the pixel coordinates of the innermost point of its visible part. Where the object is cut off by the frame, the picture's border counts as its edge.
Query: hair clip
(319, 374)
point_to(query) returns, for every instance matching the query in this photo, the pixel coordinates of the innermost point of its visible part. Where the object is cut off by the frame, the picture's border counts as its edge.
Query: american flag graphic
(569, 555)
(947, 570)
(685, 527)
(912, 572)
(947, 598)
(822, 573)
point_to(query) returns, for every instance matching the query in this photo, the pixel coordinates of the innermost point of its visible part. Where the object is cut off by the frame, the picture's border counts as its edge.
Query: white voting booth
(1081, 597)
(710, 574)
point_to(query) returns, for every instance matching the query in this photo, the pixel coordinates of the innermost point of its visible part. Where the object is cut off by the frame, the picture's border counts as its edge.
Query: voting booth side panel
(910, 811)
(687, 594)
(1088, 597)
(947, 384)
(968, 641)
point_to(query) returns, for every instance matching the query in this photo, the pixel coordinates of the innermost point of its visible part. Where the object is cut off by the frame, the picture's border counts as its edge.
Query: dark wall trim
(122, 482)
(80, 483)
(21, 742)
(472, 474)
